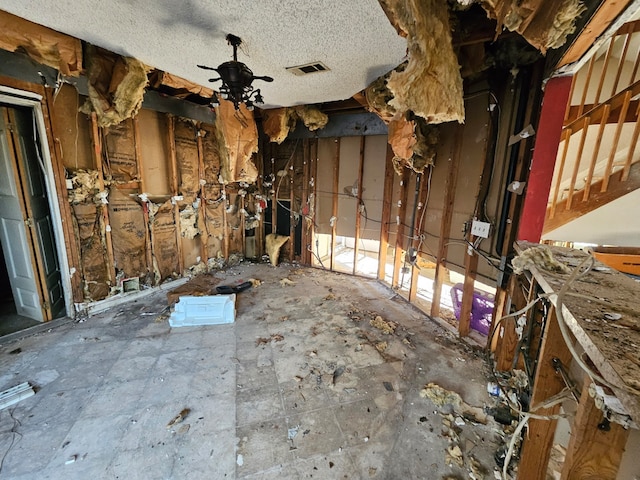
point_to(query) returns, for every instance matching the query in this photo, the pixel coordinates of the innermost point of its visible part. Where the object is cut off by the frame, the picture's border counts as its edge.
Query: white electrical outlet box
(480, 229)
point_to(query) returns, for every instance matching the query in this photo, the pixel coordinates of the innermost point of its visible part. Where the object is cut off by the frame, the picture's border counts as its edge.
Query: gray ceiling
(353, 38)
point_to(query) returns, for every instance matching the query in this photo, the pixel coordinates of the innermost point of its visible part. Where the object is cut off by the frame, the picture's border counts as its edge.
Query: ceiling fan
(236, 80)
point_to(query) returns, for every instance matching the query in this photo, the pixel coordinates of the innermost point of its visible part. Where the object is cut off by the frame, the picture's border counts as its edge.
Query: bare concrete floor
(299, 386)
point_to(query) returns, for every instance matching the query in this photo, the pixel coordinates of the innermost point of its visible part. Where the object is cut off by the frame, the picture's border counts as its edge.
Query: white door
(13, 236)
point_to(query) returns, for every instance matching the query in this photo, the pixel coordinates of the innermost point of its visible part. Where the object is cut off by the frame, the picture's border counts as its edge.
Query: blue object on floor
(209, 310)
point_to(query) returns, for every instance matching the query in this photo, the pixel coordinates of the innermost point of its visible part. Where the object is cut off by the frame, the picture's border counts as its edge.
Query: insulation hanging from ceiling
(45, 46)
(279, 122)
(545, 24)
(430, 85)
(238, 141)
(116, 86)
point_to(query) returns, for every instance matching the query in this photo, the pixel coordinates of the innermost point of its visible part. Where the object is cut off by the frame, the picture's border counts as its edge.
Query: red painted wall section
(554, 104)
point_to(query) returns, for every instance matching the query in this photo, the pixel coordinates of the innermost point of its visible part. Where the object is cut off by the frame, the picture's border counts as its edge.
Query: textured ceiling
(353, 38)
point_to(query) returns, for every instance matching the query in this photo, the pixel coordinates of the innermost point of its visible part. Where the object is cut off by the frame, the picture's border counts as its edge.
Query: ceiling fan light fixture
(236, 80)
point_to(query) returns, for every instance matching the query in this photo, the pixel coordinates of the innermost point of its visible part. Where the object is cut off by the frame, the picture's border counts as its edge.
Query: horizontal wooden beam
(616, 189)
(595, 114)
(614, 116)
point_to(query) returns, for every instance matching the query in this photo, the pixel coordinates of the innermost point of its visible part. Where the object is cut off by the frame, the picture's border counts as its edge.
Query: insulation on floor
(42, 44)
(116, 85)
(430, 85)
(93, 261)
(187, 159)
(120, 163)
(238, 141)
(128, 234)
(164, 241)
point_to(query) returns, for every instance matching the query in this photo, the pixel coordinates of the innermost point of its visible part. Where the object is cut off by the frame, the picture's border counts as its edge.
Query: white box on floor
(208, 310)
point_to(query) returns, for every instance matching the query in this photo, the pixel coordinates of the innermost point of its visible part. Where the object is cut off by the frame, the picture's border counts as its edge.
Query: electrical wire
(14, 434)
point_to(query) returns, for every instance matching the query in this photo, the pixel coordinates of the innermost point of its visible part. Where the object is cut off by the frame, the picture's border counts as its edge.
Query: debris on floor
(198, 286)
(285, 282)
(273, 244)
(441, 397)
(15, 394)
(275, 337)
(386, 327)
(179, 418)
(205, 310)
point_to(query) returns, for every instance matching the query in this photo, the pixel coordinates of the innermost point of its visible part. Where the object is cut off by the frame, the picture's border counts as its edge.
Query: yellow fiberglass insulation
(116, 86)
(277, 123)
(430, 85)
(378, 97)
(312, 117)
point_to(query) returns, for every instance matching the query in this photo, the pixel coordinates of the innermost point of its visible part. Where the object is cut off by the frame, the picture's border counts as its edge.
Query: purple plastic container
(481, 309)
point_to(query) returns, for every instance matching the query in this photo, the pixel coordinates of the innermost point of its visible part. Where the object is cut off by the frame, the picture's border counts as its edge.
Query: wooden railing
(588, 165)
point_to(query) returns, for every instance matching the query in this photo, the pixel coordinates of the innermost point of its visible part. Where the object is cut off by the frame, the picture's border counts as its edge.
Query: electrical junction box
(480, 229)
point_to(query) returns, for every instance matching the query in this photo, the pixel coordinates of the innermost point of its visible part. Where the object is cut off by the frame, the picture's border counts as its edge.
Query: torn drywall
(402, 136)
(413, 143)
(164, 242)
(273, 244)
(120, 163)
(187, 159)
(116, 85)
(430, 85)
(89, 231)
(183, 88)
(128, 234)
(238, 141)
(45, 46)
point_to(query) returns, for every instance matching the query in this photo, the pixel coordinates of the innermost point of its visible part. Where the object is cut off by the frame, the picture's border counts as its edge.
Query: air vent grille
(307, 68)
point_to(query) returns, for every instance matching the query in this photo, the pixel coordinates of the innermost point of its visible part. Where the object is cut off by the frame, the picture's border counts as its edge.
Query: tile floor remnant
(318, 399)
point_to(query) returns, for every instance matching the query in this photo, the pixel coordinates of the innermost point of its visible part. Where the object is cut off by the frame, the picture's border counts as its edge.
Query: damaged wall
(146, 197)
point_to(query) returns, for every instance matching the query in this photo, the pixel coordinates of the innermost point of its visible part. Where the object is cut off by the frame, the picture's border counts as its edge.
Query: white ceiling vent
(307, 68)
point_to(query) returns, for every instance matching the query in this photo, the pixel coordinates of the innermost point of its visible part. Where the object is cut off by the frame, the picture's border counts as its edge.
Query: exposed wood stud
(274, 199)
(596, 153)
(259, 232)
(143, 189)
(593, 452)
(536, 447)
(358, 203)
(314, 181)
(334, 208)
(418, 232)
(386, 213)
(171, 137)
(400, 236)
(96, 140)
(306, 173)
(70, 241)
(558, 177)
(292, 198)
(445, 223)
(616, 139)
(204, 230)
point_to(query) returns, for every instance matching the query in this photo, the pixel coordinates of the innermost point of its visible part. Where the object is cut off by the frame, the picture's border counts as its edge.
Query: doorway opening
(31, 279)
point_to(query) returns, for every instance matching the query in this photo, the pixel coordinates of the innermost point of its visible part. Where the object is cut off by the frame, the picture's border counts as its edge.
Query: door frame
(16, 97)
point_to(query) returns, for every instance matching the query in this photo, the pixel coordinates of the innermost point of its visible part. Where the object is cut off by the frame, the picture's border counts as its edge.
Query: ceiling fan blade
(204, 67)
(214, 79)
(265, 79)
